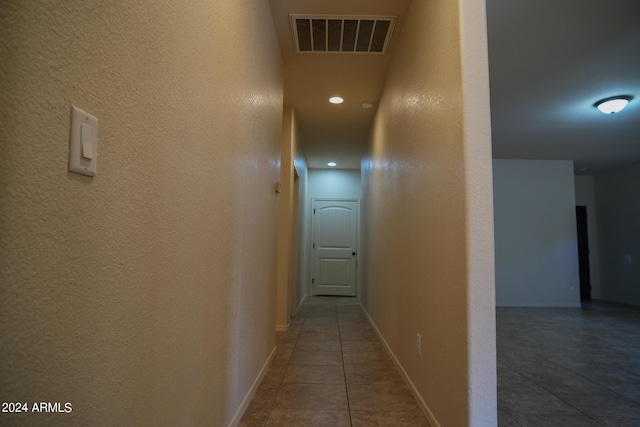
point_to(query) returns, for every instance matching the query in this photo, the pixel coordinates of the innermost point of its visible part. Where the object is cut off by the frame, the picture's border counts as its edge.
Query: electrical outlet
(419, 344)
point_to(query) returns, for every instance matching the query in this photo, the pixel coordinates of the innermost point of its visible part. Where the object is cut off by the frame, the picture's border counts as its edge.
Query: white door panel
(335, 247)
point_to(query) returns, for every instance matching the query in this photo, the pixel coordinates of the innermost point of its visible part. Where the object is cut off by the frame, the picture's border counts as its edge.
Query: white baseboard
(252, 391)
(618, 301)
(539, 305)
(421, 403)
(285, 328)
(300, 305)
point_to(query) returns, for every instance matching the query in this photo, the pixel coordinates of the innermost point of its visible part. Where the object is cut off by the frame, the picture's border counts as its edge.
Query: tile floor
(331, 370)
(569, 367)
(556, 367)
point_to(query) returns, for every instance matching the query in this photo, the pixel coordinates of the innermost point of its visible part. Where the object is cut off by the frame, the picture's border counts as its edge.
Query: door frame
(312, 235)
(295, 248)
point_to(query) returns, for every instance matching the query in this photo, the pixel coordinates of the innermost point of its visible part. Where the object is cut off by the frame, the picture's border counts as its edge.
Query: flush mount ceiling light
(613, 104)
(332, 164)
(367, 105)
(336, 100)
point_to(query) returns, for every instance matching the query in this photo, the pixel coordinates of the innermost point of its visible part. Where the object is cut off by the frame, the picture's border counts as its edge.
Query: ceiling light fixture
(336, 100)
(613, 104)
(332, 164)
(367, 105)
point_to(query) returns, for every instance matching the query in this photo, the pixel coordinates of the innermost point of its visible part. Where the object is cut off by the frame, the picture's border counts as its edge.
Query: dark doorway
(583, 253)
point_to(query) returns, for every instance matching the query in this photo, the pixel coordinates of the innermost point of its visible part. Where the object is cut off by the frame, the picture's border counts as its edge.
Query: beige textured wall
(480, 251)
(427, 213)
(291, 235)
(285, 213)
(301, 238)
(145, 295)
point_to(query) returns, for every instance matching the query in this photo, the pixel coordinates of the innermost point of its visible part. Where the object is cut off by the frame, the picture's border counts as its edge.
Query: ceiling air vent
(342, 34)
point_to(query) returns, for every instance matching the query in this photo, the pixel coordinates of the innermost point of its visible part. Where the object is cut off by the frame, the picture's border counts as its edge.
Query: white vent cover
(342, 34)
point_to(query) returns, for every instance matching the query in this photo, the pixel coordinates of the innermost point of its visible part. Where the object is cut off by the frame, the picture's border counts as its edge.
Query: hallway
(332, 370)
(148, 294)
(556, 367)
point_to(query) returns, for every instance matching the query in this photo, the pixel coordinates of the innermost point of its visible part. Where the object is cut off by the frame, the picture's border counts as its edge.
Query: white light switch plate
(83, 143)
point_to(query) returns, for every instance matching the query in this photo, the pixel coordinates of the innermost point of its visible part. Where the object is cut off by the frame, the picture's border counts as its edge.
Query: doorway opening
(583, 253)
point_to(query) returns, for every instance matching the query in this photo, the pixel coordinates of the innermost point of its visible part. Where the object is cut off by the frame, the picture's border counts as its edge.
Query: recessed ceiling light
(613, 104)
(332, 164)
(336, 100)
(367, 105)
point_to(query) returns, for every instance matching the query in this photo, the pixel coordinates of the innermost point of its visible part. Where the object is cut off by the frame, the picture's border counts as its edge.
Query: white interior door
(335, 240)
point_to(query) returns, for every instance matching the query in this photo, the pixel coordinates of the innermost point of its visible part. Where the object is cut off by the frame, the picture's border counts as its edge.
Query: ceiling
(549, 61)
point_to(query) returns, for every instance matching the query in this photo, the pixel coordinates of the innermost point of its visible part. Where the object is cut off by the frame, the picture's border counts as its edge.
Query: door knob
(353, 253)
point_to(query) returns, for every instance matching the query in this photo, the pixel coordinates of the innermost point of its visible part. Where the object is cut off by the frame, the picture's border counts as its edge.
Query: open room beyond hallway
(569, 366)
(331, 370)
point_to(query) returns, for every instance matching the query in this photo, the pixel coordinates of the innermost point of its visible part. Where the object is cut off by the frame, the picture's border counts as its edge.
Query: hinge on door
(314, 246)
(313, 281)
(314, 211)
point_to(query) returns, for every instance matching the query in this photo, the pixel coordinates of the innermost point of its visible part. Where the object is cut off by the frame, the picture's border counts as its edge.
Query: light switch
(83, 143)
(87, 142)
